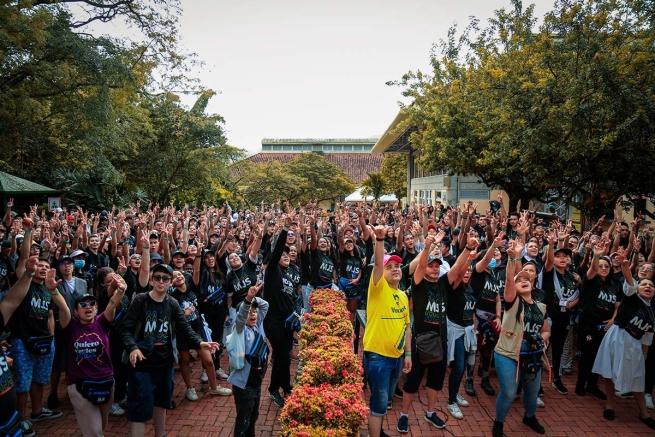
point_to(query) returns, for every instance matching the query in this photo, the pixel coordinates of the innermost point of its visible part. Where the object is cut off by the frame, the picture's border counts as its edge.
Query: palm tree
(373, 186)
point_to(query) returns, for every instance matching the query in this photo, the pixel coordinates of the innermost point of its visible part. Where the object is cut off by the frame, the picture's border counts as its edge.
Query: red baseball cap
(396, 258)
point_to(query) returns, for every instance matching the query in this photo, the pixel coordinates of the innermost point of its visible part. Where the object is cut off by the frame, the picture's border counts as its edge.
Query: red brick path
(213, 416)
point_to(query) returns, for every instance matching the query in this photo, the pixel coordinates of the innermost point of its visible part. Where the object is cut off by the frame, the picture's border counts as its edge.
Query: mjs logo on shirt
(156, 329)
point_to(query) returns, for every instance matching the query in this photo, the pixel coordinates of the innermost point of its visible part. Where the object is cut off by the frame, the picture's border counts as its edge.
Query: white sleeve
(628, 289)
(647, 339)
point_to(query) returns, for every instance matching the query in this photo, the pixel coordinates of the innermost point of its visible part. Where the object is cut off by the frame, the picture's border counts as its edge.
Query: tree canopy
(394, 174)
(99, 116)
(306, 177)
(562, 111)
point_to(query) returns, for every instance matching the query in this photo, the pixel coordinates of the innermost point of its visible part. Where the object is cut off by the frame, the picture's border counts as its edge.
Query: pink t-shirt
(88, 350)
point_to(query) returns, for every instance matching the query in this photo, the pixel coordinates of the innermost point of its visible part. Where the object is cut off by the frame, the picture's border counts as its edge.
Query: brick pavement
(563, 416)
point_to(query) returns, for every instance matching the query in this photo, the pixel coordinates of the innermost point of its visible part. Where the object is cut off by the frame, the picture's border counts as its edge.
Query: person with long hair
(210, 285)
(622, 353)
(600, 298)
(520, 349)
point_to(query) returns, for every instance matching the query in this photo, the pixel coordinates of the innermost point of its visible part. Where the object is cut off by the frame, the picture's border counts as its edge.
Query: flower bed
(327, 398)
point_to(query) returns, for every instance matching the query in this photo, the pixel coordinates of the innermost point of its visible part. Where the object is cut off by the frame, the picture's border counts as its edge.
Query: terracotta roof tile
(357, 165)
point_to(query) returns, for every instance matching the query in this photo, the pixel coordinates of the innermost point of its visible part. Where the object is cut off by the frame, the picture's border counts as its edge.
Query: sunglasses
(90, 303)
(156, 261)
(646, 269)
(290, 234)
(136, 256)
(164, 279)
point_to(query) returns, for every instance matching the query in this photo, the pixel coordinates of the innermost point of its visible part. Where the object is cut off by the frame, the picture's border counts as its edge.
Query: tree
(373, 186)
(394, 174)
(304, 178)
(543, 114)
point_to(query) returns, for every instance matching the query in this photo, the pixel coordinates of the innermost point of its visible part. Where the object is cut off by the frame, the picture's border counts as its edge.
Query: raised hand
(50, 280)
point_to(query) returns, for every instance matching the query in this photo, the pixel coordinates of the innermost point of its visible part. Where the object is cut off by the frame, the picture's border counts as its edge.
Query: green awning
(13, 186)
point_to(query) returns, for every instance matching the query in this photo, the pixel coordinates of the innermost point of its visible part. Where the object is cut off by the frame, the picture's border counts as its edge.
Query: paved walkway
(211, 416)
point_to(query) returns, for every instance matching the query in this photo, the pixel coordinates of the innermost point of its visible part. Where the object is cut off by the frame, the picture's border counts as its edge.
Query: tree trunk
(518, 200)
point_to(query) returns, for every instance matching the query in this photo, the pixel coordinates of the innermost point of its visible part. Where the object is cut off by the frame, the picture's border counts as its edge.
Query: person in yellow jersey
(387, 347)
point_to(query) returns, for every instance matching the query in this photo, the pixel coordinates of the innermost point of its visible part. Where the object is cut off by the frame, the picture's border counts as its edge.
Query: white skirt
(620, 359)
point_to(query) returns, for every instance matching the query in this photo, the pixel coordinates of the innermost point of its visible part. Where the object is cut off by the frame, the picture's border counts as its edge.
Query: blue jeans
(306, 292)
(382, 374)
(506, 371)
(456, 370)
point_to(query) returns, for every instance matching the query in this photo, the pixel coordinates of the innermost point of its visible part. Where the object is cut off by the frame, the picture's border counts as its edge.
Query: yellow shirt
(387, 315)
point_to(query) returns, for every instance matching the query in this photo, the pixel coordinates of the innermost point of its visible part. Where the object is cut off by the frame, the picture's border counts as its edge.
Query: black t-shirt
(94, 261)
(31, 317)
(321, 270)
(486, 287)
(279, 289)
(239, 281)
(407, 256)
(635, 316)
(597, 298)
(533, 318)
(5, 271)
(567, 285)
(7, 393)
(461, 304)
(210, 283)
(186, 300)
(350, 265)
(429, 306)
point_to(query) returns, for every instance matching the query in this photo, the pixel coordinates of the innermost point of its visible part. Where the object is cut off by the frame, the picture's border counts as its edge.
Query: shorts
(146, 390)
(29, 368)
(436, 372)
(382, 374)
(352, 291)
(183, 345)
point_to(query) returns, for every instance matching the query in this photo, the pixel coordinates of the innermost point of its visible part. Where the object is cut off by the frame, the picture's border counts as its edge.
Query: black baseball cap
(162, 268)
(433, 258)
(85, 296)
(564, 249)
(176, 253)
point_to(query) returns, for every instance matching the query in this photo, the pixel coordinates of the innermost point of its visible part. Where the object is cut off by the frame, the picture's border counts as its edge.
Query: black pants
(216, 321)
(589, 339)
(650, 369)
(280, 340)
(247, 403)
(558, 333)
(120, 369)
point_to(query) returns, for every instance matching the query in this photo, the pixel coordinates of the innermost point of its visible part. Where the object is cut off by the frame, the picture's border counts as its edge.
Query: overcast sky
(316, 69)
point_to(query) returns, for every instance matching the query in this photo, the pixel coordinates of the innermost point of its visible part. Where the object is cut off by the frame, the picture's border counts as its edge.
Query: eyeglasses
(646, 269)
(136, 256)
(66, 264)
(90, 303)
(159, 278)
(290, 234)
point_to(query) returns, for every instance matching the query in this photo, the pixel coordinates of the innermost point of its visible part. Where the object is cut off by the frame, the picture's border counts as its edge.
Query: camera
(535, 341)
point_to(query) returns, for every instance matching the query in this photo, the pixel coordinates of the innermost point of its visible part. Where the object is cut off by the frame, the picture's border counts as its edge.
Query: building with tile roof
(352, 155)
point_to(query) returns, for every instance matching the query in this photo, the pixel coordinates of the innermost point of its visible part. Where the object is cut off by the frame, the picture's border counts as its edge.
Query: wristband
(427, 249)
(470, 249)
(494, 247)
(27, 232)
(420, 235)
(511, 260)
(28, 275)
(55, 293)
(186, 229)
(47, 249)
(379, 239)
(146, 247)
(596, 256)
(408, 354)
(286, 228)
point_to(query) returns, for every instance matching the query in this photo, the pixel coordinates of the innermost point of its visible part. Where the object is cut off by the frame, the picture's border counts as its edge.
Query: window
(266, 147)
(474, 194)
(277, 147)
(347, 147)
(297, 147)
(327, 147)
(337, 148)
(307, 147)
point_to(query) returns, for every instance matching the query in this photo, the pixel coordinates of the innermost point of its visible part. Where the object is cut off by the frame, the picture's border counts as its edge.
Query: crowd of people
(114, 299)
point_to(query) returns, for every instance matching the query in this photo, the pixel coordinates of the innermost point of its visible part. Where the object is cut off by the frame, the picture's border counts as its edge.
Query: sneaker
(53, 401)
(27, 429)
(540, 403)
(220, 391)
(497, 430)
(625, 395)
(123, 403)
(486, 386)
(560, 387)
(461, 401)
(191, 394)
(649, 402)
(116, 410)
(221, 374)
(649, 421)
(403, 424)
(580, 390)
(469, 389)
(277, 399)
(434, 420)
(454, 411)
(45, 414)
(389, 406)
(608, 414)
(204, 378)
(398, 393)
(597, 392)
(534, 424)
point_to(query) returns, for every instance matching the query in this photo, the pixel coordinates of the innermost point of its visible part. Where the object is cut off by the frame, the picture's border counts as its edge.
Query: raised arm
(144, 270)
(484, 262)
(51, 283)
(115, 291)
(459, 266)
(17, 293)
(510, 289)
(550, 253)
(378, 253)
